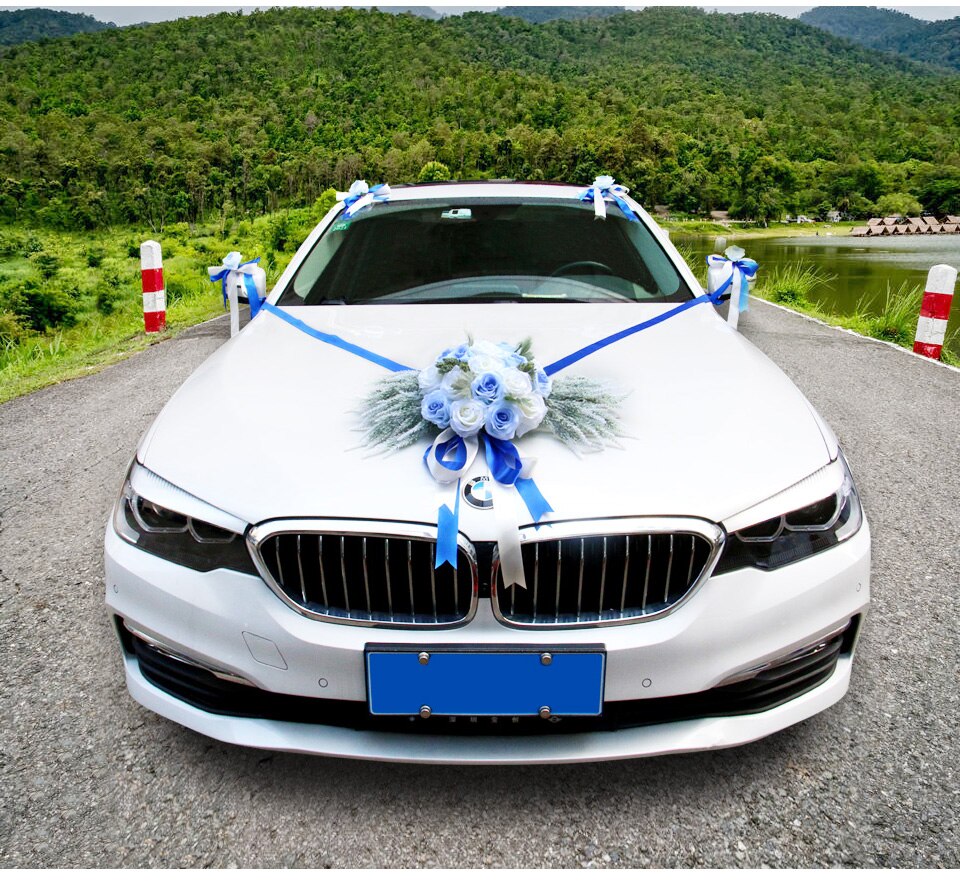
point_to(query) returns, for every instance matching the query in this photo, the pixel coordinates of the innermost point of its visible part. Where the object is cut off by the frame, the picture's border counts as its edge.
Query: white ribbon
(364, 196)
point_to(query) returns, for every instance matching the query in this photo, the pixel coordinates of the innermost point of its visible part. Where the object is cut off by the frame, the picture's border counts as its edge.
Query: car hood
(267, 426)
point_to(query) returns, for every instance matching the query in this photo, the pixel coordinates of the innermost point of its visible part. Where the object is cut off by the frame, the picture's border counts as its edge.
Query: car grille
(358, 578)
(603, 579)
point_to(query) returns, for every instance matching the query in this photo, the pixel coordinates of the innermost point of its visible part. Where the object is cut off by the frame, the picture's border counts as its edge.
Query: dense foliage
(232, 114)
(25, 25)
(935, 42)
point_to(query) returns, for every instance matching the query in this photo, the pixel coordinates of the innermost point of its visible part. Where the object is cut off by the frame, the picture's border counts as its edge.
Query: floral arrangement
(494, 389)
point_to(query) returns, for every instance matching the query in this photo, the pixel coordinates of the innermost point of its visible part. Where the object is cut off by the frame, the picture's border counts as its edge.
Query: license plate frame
(478, 681)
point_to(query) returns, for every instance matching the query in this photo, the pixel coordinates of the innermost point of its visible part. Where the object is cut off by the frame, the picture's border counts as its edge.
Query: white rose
(456, 383)
(466, 417)
(532, 411)
(516, 383)
(429, 378)
(485, 347)
(483, 363)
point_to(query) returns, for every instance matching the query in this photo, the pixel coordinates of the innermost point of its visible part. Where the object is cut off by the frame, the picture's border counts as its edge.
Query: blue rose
(487, 387)
(510, 357)
(435, 408)
(502, 420)
(461, 353)
(542, 384)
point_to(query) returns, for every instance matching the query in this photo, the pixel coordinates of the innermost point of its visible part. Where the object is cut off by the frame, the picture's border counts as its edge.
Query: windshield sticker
(342, 226)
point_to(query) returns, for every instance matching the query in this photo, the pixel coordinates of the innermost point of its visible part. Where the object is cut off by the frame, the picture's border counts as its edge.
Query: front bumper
(234, 624)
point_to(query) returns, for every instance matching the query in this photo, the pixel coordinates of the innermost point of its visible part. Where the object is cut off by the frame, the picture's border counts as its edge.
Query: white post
(154, 293)
(935, 311)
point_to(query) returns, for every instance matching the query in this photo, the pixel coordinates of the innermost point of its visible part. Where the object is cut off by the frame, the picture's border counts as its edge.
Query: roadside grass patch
(70, 302)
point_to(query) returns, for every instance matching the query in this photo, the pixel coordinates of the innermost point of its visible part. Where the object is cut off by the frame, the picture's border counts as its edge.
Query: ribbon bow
(233, 263)
(449, 459)
(737, 271)
(362, 195)
(605, 189)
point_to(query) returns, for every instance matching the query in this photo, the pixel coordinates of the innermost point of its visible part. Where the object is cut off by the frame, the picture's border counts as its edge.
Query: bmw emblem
(478, 492)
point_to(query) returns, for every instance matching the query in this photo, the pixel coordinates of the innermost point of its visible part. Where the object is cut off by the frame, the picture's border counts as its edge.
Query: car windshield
(485, 250)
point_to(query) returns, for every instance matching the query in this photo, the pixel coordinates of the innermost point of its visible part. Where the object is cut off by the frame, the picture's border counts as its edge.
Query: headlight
(177, 537)
(796, 535)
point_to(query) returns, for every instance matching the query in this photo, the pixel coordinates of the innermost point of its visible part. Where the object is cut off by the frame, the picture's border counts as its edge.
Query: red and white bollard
(154, 296)
(934, 311)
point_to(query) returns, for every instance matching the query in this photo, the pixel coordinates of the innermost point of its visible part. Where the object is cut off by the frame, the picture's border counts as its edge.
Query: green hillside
(937, 43)
(232, 114)
(28, 25)
(540, 14)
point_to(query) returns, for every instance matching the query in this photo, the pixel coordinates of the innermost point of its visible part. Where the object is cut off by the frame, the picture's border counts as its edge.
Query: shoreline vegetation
(70, 302)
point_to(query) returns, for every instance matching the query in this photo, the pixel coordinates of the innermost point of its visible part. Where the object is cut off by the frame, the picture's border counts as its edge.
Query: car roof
(485, 189)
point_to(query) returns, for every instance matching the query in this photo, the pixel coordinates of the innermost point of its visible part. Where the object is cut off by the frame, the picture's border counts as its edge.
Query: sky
(131, 13)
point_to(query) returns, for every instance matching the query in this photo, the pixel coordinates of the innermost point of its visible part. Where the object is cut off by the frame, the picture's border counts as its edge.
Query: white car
(275, 563)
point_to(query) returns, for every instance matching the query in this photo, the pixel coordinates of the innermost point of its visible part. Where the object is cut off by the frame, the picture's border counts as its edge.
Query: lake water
(863, 267)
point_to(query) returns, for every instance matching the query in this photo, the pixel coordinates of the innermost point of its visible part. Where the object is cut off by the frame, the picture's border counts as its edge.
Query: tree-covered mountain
(937, 43)
(239, 113)
(539, 14)
(28, 25)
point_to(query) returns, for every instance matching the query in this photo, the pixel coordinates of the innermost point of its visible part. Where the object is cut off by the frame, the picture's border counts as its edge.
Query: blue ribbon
(609, 190)
(448, 522)
(747, 267)
(252, 294)
(505, 464)
(332, 340)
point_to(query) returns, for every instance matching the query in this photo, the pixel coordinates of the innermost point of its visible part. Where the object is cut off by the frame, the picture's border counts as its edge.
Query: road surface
(89, 778)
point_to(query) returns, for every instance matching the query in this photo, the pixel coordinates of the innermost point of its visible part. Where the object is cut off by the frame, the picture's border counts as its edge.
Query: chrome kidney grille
(367, 579)
(601, 579)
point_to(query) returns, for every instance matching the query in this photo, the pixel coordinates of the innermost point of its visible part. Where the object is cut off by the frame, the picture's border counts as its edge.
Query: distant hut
(860, 231)
(914, 220)
(931, 220)
(891, 220)
(875, 221)
(951, 228)
(902, 229)
(877, 229)
(952, 220)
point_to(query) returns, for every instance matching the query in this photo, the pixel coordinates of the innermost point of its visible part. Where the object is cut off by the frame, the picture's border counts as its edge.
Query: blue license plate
(485, 683)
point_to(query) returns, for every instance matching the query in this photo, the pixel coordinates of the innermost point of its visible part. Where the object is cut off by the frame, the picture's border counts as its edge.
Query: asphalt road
(89, 778)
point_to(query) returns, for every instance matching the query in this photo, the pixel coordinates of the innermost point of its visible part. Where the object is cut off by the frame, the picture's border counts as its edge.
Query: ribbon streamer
(605, 189)
(743, 268)
(233, 263)
(362, 195)
(332, 340)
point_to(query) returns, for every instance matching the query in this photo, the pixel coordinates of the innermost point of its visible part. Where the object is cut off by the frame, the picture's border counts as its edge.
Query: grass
(745, 230)
(791, 284)
(98, 282)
